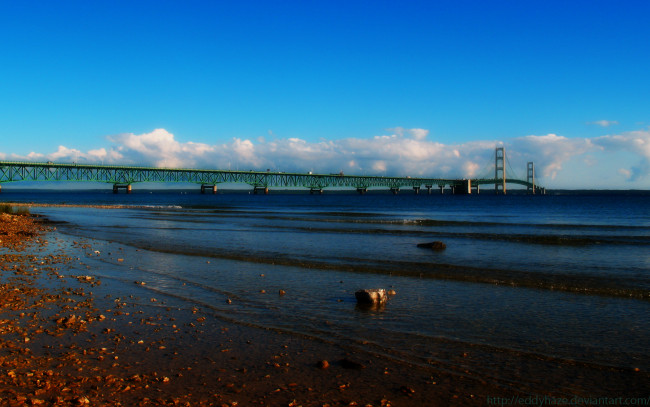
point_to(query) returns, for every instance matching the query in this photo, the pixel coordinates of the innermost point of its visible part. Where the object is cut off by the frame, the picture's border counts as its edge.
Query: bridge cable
(512, 171)
(488, 172)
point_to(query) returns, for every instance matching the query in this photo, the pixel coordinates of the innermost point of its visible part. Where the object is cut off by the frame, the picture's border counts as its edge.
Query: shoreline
(112, 342)
(67, 205)
(73, 339)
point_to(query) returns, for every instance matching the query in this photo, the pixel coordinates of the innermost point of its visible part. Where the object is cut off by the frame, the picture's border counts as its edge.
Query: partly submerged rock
(433, 245)
(371, 296)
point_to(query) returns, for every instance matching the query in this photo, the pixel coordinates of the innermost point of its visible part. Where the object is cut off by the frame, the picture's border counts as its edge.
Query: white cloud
(244, 151)
(560, 161)
(471, 168)
(63, 152)
(590, 161)
(625, 172)
(158, 148)
(104, 156)
(550, 152)
(379, 166)
(416, 134)
(32, 156)
(419, 134)
(604, 123)
(636, 142)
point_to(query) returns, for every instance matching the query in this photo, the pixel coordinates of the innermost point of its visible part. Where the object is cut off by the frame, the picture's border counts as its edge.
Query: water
(555, 277)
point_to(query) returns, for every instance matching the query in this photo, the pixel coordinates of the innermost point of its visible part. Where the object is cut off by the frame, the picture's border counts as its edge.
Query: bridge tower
(500, 170)
(530, 177)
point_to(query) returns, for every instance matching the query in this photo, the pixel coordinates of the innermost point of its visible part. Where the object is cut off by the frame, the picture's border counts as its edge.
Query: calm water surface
(564, 277)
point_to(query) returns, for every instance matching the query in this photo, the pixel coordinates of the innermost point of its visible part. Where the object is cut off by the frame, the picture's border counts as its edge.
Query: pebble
(323, 364)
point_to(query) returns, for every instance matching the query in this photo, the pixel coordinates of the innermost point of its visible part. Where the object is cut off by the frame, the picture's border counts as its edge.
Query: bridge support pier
(394, 190)
(205, 187)
(429, 189)
(539, 190)
(362, 191)
(313, 191)
(416, 190)
(259, 189)
(465, 188)
(117, 187)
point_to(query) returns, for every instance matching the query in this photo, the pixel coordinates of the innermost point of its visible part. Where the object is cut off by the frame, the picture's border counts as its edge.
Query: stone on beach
(323, 364)
(371, 296)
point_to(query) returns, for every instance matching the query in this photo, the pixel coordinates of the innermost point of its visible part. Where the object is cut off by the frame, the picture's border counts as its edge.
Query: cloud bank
(560, 162)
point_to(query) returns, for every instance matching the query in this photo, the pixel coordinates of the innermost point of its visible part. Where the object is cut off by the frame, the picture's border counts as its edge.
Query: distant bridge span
(122, 177)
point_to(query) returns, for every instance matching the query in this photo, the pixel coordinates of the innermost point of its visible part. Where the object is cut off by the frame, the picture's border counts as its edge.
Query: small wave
(386, 219)
(541, 239)
(157, 206)
(574, 283)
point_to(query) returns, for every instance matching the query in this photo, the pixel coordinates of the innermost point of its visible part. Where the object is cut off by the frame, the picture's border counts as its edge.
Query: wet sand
(68, 338)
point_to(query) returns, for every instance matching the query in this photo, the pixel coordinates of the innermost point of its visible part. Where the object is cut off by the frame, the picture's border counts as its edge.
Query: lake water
(522, 278)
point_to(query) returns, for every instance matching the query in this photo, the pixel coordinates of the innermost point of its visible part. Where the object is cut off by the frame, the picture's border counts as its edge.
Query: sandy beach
(70, 339)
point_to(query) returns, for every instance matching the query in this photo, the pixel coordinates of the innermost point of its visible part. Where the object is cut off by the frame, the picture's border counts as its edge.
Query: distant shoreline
(68, 205)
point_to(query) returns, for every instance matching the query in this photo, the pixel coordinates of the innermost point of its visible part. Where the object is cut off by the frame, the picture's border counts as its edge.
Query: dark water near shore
(523, 278)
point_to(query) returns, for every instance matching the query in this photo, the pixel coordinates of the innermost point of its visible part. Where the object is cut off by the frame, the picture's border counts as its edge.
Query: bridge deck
(127, 175)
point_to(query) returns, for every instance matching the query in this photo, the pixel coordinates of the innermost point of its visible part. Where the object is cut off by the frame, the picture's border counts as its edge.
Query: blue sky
(397, 88)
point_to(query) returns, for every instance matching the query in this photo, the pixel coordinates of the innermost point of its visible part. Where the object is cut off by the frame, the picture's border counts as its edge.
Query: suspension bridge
(123, 177)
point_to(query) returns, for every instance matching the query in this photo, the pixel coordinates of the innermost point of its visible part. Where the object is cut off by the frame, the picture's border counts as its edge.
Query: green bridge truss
(124, 176)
